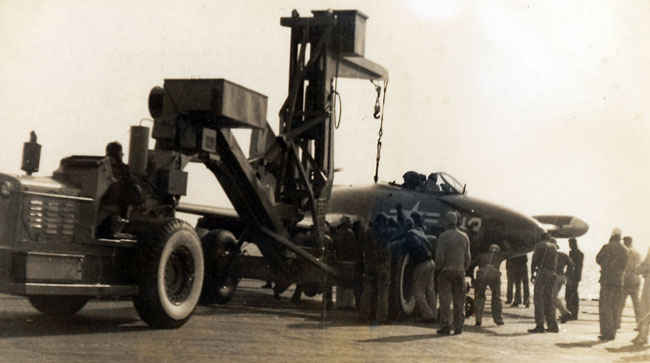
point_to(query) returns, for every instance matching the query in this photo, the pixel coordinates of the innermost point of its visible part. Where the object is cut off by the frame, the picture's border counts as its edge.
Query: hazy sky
(538, 105)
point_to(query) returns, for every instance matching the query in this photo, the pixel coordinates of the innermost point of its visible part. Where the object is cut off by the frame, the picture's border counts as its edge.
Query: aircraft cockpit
(437, 182)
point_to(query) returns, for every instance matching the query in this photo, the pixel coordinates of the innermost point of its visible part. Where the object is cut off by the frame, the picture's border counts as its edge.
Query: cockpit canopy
(437, 182)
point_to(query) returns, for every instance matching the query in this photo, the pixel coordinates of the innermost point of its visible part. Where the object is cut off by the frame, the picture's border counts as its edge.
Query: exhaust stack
(138, 148)
(31, 155)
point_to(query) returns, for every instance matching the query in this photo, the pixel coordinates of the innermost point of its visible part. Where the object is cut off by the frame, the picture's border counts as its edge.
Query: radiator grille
(48, 218)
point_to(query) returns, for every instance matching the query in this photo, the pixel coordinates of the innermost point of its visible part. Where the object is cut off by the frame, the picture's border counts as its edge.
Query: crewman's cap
(114, 149)
(616, 232)
(494, 248)
(451, 218)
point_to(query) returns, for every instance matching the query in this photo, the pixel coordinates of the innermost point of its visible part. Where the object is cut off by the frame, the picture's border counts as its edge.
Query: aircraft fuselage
(484, 222)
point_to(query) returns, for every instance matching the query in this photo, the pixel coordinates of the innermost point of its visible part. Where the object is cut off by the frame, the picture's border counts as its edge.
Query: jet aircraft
(484, 222)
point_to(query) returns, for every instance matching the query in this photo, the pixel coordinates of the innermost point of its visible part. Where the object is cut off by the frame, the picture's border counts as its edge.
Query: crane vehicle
(92, 230)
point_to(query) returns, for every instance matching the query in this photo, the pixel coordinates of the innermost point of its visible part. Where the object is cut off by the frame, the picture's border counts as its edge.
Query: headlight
(5, 189)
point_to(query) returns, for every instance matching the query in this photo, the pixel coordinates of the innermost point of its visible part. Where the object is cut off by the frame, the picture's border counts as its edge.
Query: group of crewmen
(550, 270)
(621, 271)
(446, 257)
(442, 263)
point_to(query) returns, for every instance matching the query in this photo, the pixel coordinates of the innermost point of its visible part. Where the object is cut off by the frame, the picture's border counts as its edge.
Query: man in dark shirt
(510, 280)
(519, 275)
(612, 259)
(124, 193)
(376, 270)
(347, 248)
(417, 246)
(573, 280)
(543, 276)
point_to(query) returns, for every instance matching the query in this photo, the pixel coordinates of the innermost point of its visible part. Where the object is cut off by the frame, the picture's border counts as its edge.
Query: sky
(537, 105)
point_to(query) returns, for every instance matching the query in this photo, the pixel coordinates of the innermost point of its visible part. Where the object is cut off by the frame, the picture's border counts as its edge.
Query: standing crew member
(510, 276)
(612, 259)
(376, 271)
(346, 247)
(543, 276)
(519, 265)
(573, 280)
(415, 244)
(488, 275)
(453, 259)
(644, 307)
(564, 264)
(431, 242)
(631, 281)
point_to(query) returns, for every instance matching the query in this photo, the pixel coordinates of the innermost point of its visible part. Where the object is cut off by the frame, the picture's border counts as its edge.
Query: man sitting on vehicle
(124, 192)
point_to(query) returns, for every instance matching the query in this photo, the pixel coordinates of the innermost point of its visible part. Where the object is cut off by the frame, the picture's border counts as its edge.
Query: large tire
(58, 305)
(170, 264)
(402, 299)
(221, 269)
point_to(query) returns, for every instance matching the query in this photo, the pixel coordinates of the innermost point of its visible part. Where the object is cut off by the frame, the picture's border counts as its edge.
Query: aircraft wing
(562, 226)
(229, 214)
(206, 210)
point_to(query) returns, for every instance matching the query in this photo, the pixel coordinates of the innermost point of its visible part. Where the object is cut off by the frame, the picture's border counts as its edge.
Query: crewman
(631, 281)
(510, 281)
(519, 276)
(431, 184)
(416, 245)
(564, 264)
(115, 154)
(432, 288)
(452, 260)
(346, 248)
(644, 307)
(488, 275)
(612, 259)
(543, 276)
(413, 180)
(124, 192)
(573, 279)
(376, 270)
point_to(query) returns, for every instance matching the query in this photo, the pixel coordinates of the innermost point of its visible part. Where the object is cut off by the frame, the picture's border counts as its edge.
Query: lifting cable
(377, 115)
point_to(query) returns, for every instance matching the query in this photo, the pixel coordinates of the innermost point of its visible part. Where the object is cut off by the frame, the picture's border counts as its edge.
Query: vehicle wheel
(58, 305)
(221, 267)
(469, 306)
(402, 299)
(170, 265)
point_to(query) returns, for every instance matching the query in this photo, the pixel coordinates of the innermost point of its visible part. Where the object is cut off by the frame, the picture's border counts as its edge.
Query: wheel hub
(179, 275)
